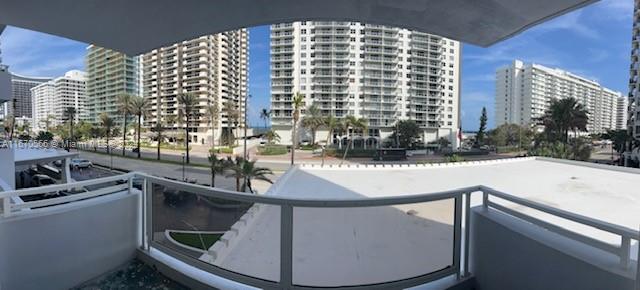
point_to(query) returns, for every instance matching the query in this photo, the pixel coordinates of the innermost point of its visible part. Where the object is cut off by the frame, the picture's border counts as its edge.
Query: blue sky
(593, 42)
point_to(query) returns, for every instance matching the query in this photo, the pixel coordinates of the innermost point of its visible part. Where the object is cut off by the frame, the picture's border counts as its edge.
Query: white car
(80, 163)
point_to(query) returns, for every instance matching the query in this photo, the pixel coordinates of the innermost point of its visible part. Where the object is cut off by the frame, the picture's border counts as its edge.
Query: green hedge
(225, 150)
(273, 150)
(357, 153)
(508, 149)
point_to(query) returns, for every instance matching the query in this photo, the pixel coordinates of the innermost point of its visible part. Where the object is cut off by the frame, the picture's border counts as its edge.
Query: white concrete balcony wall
(63, 246)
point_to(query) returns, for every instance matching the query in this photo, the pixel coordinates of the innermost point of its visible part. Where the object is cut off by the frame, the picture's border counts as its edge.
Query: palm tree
(47, 122)
(355, 124)
(107, 124)
(250, 171)
(271, 136)
(563, 116)
(313, 121)
(233, 115)
(9, 125)
(265, 115)
(159, 135)
(139, 108)
(213, 115)
(70, 114)
(247, 170)
(124, 108)
(188, 102)
(234, 165)
(332, 124)
(217, 166)
(298, 102)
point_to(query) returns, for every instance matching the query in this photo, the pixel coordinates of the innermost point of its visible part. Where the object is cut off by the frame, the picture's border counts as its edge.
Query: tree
(47, 122)
(159, 128)
(84, 130)
(213, 115)
(217, 166)
(313, 121)
(9, 125)
(331, 123)
(443, 142)
(107, 125)
(272, 136)
(619, 139)
(265, 115)
(247, 170)
(188, 102)
(124, 108)
(562, 117)
(70, 114)
(44, 136)
(95, 133)
(139, 108)
(483, 127)
(250, 172)
(298, 102)
(355, 124)
(510, 135)
(406, 133)
(233, 115)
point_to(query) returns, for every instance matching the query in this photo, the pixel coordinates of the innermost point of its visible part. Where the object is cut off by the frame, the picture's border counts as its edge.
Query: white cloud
(570, 22)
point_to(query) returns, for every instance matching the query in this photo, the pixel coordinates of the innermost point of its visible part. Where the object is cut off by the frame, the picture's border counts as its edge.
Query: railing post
(286, 246)
(457, 235)
(467, 219)
(485, 198)
(625, 252)
(638, 263)
(148, 204)
(130, 184)
(6, 206)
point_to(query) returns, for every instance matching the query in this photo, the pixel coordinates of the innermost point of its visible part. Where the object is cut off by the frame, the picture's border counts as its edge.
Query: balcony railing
(168, 204)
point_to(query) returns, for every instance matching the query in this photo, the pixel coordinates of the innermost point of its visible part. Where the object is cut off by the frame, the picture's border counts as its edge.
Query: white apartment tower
(380, 73)
(50, 99)
(214, 67)
(634, 78)
(524, 92)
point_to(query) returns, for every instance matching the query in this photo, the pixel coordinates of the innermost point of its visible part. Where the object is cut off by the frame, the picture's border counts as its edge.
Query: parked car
(80, 163)
(135, 150)
(41, 180)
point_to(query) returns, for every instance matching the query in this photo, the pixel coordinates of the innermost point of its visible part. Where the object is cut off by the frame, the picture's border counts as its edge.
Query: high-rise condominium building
(524, 92)
(52, 98)
(634, 79)
(5, 80)
(213, 67)
(383, 74)
(109, 74)
(622, 115)
(21, 102)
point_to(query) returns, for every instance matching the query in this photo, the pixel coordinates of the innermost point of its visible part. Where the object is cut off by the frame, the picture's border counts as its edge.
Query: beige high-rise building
(214, 67)
(380, 73)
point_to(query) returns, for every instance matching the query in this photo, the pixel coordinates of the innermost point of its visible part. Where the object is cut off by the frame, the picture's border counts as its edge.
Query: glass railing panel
(237, 236)
(372, 245)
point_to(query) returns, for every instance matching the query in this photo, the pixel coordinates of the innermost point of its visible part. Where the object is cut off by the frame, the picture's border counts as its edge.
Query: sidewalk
(202, 175)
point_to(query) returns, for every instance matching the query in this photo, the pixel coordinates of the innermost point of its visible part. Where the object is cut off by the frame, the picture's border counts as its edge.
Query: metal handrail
(287, 204)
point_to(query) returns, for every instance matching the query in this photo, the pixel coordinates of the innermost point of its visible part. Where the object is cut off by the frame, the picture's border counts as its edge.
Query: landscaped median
(199, 241)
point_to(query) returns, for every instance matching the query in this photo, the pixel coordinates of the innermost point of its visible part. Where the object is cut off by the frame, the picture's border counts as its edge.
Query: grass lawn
(273, 150)
(193, 239)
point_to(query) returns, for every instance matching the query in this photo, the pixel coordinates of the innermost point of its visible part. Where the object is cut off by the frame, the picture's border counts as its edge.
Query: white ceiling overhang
(137, 26)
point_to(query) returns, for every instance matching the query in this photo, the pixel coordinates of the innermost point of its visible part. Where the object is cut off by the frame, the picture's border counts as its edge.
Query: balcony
(469, 236)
